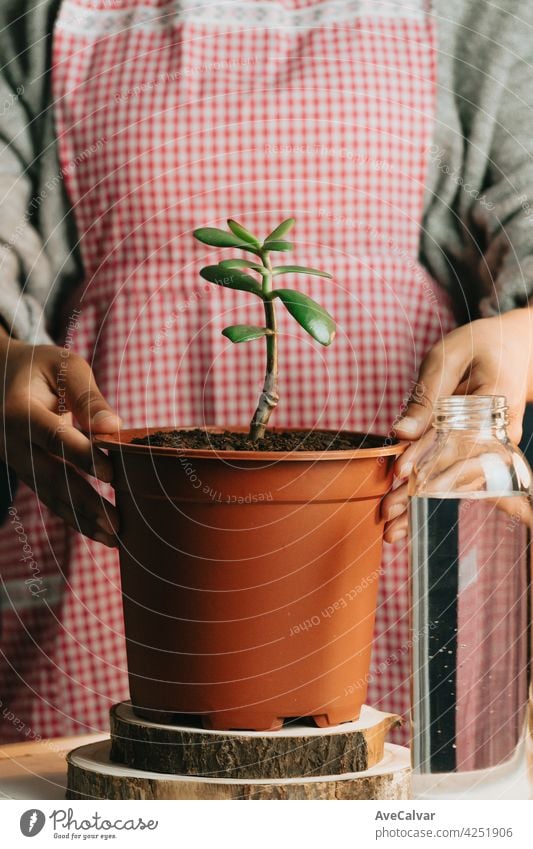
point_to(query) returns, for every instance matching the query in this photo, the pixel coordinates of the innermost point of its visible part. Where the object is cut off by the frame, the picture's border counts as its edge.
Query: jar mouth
(470, 412)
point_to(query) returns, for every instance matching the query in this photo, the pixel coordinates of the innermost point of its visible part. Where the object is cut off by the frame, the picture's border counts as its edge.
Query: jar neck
(478, 415)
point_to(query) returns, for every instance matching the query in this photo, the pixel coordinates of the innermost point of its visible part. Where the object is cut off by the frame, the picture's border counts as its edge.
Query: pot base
(239, 721)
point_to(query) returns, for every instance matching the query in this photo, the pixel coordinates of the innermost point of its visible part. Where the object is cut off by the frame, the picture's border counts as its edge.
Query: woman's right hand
(44, 387)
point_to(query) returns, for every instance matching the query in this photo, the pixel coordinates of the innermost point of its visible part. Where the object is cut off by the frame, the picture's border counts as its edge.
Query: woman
(392, 131)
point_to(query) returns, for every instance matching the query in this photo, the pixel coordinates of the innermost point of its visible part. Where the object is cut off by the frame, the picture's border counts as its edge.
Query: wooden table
(38, 770)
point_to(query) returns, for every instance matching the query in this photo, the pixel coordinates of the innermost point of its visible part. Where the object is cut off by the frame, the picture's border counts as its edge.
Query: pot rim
(121, 441)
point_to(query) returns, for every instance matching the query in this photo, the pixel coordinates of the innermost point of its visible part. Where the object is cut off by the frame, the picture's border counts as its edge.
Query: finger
(69, 495)
(405, 462)
(440, 373)
(396, 530)
(516, 407)
(395, 503)
(85, 399)
(79, 522)
(514, 393)
(516, 421)
(466, 475)
(56, 435)
(517, 507)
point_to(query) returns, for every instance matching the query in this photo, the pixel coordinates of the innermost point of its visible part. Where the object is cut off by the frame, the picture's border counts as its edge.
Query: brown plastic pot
(249, 580)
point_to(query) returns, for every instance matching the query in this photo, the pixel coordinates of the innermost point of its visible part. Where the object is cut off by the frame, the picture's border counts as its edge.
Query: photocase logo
(32, 822)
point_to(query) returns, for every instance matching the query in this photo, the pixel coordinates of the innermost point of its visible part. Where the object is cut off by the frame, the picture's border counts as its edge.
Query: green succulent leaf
(309, 315)
(245, 332)
(242, 233)
(277, 245)
(299, 269)
(242, 263)
(281, 229)
(231, 278)
(219, 238)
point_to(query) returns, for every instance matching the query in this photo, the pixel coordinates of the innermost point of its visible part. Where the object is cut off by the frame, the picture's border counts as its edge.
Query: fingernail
(408, 425)
(102, 415)
(405, 470)
(401, 533)
(395, 511)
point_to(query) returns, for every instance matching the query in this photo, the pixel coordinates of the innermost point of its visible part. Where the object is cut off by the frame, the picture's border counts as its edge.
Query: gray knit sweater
(477, 234)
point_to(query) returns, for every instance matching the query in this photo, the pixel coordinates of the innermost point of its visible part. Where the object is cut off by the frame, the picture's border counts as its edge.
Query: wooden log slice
(294, 751)
(92, 775)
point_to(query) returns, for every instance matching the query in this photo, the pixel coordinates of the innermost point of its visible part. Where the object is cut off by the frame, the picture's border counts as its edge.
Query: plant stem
(269, 396)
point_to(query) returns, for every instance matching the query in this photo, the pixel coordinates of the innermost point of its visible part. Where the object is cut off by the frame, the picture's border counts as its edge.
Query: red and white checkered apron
(174, 115)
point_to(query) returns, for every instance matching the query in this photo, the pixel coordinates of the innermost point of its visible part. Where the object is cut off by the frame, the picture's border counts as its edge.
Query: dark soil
(299, 440)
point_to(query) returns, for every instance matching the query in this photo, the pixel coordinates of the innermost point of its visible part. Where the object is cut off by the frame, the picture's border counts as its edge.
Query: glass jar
(469, 535)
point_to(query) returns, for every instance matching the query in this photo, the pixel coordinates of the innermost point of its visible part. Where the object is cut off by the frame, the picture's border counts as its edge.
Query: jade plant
(235, 274)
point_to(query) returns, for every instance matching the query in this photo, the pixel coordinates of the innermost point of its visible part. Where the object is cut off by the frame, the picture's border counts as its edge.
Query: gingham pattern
(493, 619)
(168, 128)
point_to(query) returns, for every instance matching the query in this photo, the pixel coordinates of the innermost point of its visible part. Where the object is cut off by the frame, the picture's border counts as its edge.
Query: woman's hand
(43, 388)
(492, 356)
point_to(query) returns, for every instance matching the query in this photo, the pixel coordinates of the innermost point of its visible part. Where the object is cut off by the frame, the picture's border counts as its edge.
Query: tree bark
(91, 775)
(297, 750)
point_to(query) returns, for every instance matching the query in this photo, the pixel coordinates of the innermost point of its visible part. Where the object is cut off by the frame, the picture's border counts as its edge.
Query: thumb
(85, 399)
(440, 374)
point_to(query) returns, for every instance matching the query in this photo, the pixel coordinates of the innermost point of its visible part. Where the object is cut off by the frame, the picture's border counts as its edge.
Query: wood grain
(92, 775)
(297, 750)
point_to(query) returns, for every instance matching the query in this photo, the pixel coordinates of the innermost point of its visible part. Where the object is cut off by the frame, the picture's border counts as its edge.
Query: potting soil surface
(285, 441)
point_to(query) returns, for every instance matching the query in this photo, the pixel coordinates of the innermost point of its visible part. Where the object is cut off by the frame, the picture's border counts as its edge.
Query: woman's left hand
(491, 356)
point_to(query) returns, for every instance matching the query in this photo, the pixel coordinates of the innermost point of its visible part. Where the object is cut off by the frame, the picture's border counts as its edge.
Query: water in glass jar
(470, 636)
